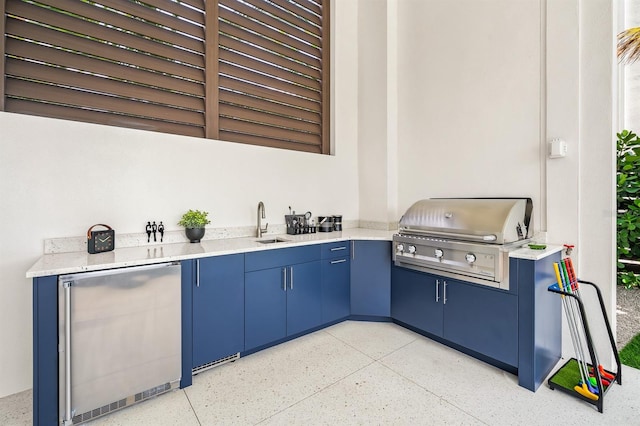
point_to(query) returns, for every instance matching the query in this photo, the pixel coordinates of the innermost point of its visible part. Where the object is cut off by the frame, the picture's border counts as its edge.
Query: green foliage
(194, 219)
(627, 278)
(630, 354)
(628, 204)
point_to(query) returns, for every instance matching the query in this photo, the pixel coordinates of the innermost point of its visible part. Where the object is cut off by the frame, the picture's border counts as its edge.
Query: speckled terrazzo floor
(361, 373)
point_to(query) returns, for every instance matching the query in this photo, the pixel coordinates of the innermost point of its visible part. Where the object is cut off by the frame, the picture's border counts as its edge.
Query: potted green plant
(194, 222)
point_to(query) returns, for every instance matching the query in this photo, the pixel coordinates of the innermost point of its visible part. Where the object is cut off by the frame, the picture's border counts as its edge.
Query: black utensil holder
(296, 225)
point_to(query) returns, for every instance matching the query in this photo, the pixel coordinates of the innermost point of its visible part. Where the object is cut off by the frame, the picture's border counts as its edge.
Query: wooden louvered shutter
(250, 71)
(125, 63)
(273, 76)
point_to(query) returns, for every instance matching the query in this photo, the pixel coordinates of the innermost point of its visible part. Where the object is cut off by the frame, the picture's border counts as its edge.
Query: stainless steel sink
(272, 241)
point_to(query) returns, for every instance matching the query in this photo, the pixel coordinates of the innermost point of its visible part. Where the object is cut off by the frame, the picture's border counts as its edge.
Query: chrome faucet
(261, 215)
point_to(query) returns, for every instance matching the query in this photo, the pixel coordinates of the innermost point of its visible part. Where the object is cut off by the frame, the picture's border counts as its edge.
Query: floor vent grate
(215, 363)
(122, 403)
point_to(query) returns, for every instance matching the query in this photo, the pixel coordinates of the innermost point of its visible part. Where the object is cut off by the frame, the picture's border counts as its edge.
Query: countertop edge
(74, 262)
(529, 254)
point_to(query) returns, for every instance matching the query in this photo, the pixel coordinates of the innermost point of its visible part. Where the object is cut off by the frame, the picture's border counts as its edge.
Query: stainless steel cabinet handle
(353, 249)
(197, 272)
(437, 291)
(444, 293)
(284, 281)
(333, 262)
(291, 279)
(339, 248)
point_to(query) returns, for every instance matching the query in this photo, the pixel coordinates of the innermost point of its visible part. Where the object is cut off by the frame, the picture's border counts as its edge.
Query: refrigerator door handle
(67, 354)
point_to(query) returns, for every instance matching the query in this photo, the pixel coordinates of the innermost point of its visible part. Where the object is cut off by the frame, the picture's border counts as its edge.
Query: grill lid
(490, 220)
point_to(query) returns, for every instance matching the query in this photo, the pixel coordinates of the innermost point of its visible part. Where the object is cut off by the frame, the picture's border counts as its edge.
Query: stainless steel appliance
(119, 338)
(464, 238)
(325, 223)
(337, 222)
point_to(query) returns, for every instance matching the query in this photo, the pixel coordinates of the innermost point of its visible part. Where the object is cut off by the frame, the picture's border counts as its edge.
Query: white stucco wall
(468, 99)
(372, 109)
(597, 162)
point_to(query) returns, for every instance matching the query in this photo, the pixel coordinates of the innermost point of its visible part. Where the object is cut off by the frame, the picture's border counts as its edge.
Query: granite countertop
(73, 262)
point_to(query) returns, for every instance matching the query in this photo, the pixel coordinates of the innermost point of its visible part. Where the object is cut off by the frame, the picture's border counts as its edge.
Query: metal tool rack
(602, 389)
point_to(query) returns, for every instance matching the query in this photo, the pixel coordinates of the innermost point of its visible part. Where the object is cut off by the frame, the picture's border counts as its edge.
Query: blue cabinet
(371, 278)
(218, 308)
(481, 319)
(265, 312)
(304, 297)
(282, 294)
(416, 300)
(336, 287)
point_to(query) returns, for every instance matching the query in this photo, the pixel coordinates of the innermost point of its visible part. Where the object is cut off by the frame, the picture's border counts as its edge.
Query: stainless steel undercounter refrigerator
(119, 338)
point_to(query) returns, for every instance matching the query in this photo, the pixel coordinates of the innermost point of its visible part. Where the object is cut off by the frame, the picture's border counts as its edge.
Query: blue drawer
(337, 249)
(267, 259)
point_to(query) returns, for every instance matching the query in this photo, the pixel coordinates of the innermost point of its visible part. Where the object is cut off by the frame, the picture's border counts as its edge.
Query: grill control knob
(438, 253)
(400, 248)
(412, 249)
(470, 257)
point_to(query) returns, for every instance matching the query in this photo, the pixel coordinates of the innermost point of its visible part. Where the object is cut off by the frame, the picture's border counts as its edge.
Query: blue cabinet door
(265, 307)
(371, 278)
(483, 320)
(304, 297)
(218, 308)
(336, 290)
(416, 299)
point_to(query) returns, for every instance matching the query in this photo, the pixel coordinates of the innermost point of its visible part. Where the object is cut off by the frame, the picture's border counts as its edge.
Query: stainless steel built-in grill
(464, 238)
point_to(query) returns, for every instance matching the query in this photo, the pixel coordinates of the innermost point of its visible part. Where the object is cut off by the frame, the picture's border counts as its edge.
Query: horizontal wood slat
(59, 95)
(268, 57)
(192, 14)
(98, 50)
(120, 72)
(270, 82)
(104, 33)
(296, 9)
(269, 142)
(258, 117)
(229, 124)
(229, 97)
(90, 83)
(119, 21)
(271, 46)
(261, 92)
(196, 4)
(156, 16)
(271, 70)
(257, 13)
(312, 5)
(296, 25)
(114, 54)
(66, 113)
(279, 37)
